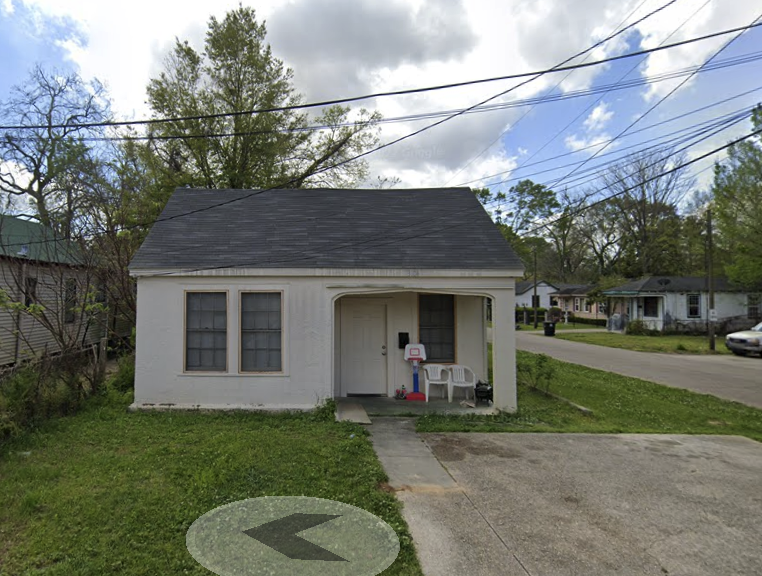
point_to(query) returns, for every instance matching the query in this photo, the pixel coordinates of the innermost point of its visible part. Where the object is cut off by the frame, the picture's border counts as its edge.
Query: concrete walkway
(728, 377)
(451, 535)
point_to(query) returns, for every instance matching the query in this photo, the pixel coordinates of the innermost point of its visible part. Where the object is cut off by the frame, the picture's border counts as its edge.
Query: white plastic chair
(461, 377)
(435, 374)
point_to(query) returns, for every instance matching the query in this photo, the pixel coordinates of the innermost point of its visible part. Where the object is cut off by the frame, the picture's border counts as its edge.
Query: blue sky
(28, 37)
(362, 46)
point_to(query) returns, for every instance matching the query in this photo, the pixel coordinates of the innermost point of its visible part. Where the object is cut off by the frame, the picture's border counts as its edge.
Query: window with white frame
(206, 331)
(752, 306)
(261, 332)
(694, 305)
(576, 304)
(587, 305)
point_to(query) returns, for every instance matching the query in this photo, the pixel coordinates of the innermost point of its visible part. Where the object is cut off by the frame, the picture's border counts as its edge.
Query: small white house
(681, 303)
(525, 292)
(283, 298)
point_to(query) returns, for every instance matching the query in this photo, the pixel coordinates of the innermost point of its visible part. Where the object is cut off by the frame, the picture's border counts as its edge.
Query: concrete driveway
(590, 505)
(729, 377)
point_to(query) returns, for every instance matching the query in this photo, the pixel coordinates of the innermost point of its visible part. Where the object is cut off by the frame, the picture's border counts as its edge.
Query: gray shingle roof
(573, 289)
(671, 284)
(325, 228)
(526, 285)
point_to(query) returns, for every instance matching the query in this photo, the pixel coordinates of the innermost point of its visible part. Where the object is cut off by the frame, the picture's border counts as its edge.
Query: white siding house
(248, 305)
(525, 293)
(681, 304)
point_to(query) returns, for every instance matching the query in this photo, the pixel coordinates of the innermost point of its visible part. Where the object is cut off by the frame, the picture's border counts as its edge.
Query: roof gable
(325, 228)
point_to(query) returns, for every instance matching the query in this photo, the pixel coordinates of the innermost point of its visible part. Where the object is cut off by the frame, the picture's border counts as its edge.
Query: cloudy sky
(341, 48)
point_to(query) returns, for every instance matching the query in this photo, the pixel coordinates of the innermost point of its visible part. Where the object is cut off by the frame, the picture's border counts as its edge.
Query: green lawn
(109, 492)
(561, 326)
(620, 404)
(668, 344)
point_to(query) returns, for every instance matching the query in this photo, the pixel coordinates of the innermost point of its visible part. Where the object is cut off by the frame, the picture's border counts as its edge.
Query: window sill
(233, 374)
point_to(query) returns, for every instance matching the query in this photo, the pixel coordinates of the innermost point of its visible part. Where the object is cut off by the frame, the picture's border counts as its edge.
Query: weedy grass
(111, 492)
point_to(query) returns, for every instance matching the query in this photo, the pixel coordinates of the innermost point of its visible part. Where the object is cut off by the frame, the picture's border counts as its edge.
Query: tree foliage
(737, 193)
(237, 73)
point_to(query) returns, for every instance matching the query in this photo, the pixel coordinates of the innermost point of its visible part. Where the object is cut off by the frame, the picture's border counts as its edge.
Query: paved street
(729, 377)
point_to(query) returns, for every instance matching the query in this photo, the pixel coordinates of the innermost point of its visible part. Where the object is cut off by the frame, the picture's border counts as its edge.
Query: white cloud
(364, 46)
(598, 118)
(7, 7)
(592, 144)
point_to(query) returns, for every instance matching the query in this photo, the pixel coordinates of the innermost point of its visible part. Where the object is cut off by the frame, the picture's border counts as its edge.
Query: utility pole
(710, 276)
(534, 296)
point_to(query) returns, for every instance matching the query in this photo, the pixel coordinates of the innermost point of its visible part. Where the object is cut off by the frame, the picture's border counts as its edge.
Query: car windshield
(758, 327)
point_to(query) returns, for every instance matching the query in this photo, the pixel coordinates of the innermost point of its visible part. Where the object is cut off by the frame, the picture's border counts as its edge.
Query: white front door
(363, 348)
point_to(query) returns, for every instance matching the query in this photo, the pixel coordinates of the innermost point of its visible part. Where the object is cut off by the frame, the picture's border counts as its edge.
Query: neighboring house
(573, 299)
(525, 294)
(681, 303)
(283, 298)
(38, 268)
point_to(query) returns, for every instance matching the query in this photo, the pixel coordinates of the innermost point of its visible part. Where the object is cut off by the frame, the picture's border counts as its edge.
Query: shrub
(537, 372)
(49, 387)
(124, 378)
(640, 328)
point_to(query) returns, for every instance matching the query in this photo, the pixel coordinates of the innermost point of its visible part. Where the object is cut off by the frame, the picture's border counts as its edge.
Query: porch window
(651, 307)
(752, 306)
(436, 318)
(261, 332)
(694, 305)
(206, 338)
(587, 305)
(576, 304)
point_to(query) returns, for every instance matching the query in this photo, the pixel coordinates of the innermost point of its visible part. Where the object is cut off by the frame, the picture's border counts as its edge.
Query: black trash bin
(550, 328)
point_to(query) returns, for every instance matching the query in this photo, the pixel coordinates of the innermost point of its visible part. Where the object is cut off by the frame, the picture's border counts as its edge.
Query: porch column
(504, 350)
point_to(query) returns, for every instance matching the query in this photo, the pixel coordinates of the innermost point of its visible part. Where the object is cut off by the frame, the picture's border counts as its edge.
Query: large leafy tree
(47, 159)
(646, 191)
(237, 73)
(737, 192)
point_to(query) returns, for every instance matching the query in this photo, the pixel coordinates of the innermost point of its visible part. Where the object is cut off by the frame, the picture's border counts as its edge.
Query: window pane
(261, 331)
(206, 331)
(437, 326)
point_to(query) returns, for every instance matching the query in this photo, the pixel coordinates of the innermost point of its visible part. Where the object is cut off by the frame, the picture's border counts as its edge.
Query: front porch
(381, 407)
(371, 327)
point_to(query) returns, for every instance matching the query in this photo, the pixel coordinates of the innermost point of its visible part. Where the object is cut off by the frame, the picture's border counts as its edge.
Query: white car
(742, 343)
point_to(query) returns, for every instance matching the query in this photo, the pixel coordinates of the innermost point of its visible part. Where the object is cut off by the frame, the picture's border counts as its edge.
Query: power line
(532, 101)
(465, 222)
(646, 181)
(620, 81)
(631, 133)
(154, 121)
(548, 92)
(656, 105)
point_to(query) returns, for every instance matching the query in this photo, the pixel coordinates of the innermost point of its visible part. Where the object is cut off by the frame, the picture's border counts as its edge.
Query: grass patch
(619, 404)
(560, 326)
(109, 492)
(667, 344)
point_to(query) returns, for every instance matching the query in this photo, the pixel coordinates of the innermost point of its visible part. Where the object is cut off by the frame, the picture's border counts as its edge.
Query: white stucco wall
(543, 291)
(311, 321)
